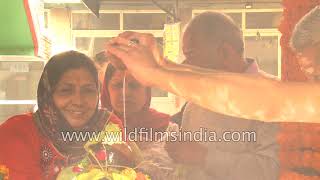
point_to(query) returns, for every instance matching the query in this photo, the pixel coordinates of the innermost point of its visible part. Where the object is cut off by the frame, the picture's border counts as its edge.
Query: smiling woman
(76, 96)
(68, 96)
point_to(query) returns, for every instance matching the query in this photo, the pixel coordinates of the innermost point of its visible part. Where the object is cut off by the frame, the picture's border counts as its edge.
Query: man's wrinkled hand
(147, 40)
(136, 57)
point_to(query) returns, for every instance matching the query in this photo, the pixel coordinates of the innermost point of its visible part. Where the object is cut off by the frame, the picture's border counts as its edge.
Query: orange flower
(141, 176)
(289, 175)
(4, 172)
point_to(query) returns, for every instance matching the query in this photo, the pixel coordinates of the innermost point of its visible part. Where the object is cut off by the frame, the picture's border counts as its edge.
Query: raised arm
(241, 95)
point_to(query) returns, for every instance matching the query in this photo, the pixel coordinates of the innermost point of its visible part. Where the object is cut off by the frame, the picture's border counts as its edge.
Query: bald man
(212, 40)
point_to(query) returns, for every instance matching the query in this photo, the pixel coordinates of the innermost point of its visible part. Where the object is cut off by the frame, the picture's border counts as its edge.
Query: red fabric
(287, 175)
(147, 117)
(150, 119)
(21, 150)
(299, 149)
(299, 142)
(293, 11)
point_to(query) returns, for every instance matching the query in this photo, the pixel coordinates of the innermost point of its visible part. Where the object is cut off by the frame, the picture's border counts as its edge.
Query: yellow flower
(111, 134)
(129, 173)
(93, 174)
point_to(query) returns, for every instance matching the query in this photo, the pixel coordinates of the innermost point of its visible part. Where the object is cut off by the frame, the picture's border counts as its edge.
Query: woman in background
(138, 98)
(138, 114)
(68, 94)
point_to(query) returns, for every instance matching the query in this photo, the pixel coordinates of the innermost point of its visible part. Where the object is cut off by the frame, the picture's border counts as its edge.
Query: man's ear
(226, 50)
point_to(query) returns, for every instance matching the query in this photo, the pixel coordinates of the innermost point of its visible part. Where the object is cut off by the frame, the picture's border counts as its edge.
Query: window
(237, 18)
(262, 20)
(87, 21)
(264, 50)
(91, 45)
(82, 44)
(18, 86)
(19, 79)
(144, 21)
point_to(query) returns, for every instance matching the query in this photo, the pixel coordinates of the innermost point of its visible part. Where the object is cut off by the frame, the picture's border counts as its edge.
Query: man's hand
(191, 153)
(137, 58)
(148, 40)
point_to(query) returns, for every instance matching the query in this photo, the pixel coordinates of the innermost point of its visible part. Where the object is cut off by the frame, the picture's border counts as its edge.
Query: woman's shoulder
(159, 114)
(19, 131)
(20, 146)
(110, 117)
(159, 120)
(114, 119)
(18, 123)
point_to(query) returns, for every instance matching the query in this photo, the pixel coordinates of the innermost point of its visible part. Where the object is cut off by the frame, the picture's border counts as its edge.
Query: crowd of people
(225, 90)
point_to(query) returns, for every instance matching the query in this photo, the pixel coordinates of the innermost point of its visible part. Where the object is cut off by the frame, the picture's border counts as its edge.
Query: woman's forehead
(118, 75)
(77, 75)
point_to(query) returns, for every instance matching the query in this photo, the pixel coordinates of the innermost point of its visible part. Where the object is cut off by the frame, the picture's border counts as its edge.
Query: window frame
(13, 59)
